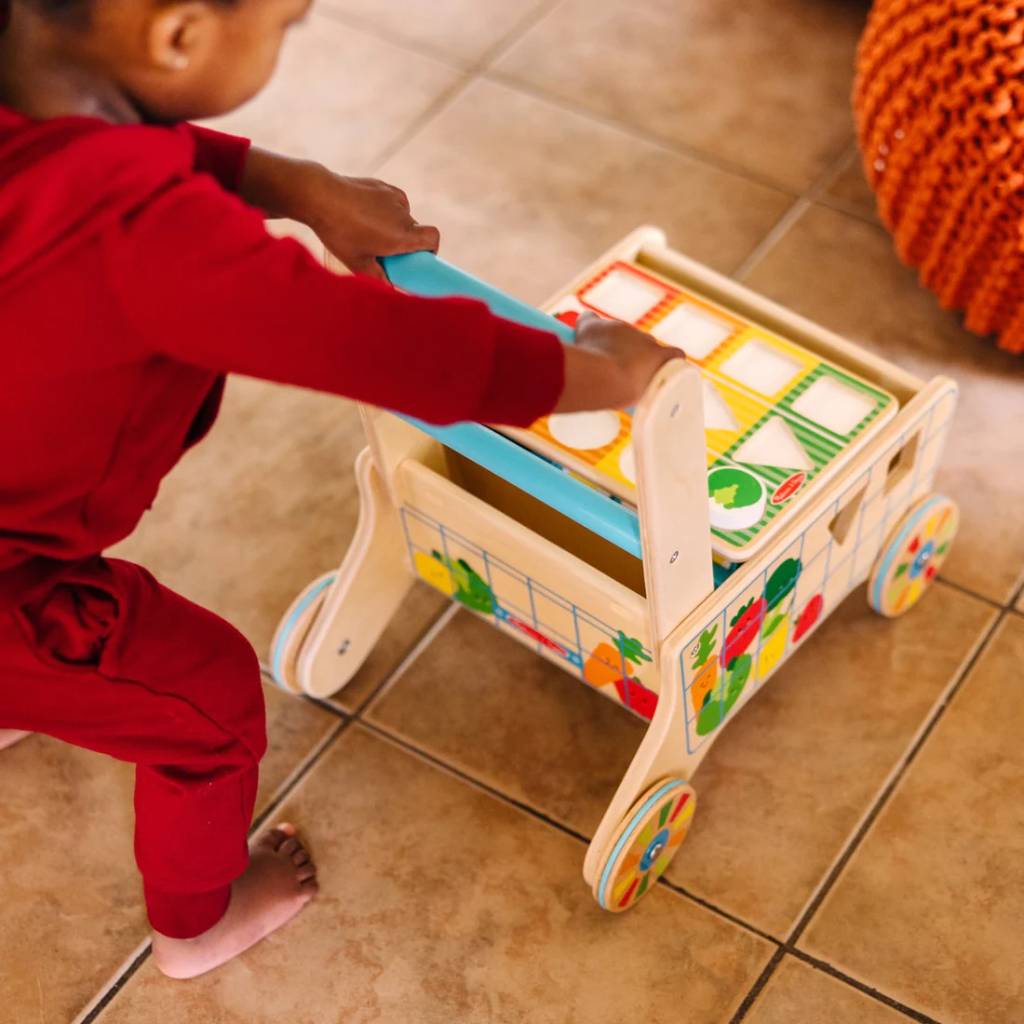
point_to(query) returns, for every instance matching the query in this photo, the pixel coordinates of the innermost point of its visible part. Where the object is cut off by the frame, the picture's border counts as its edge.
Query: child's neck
(41, 78)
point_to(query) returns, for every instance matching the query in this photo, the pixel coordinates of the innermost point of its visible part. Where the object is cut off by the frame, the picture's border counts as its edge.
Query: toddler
(135, 273)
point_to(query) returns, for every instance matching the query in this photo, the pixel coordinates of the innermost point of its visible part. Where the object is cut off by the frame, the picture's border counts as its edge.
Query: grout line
(431, 634)
(280, 795)
(532, 812)
(802, 204)
(383, 733)
(718, 911)
(304, 767)
(471, 73)
(416, 46)
(420, 124)
(104, 998)
(526, 24)
(850, 209)
(855, 842)
(953, 585)
(902, 767)
(833, 972)
(661, 142)
(758, 987)
(775, 235)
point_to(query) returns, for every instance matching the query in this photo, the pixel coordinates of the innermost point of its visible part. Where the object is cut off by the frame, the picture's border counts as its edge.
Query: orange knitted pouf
(939, 101)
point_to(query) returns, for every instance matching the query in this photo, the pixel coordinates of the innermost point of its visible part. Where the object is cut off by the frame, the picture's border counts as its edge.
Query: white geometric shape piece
(717, 415)
(774, 444)
(624, 296)
(693, 330)
(836, 406)
(585, 431)
(760, 367)
(627, 463)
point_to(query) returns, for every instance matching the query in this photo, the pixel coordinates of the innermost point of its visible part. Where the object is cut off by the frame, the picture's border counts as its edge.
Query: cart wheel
(293, 630)
(645, 844)
(913, 555)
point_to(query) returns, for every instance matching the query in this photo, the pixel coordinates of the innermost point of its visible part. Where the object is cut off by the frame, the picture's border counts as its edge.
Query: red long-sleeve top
(132, 280)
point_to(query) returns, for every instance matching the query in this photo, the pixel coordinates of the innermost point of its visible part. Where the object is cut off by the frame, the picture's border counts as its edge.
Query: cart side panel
(585, 622)
(749, 628)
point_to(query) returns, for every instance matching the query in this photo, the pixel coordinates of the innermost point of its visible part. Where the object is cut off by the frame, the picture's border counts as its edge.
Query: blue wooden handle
(423, 273)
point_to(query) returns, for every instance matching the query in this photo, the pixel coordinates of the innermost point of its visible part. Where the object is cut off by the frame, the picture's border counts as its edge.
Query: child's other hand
(360, 219)
(610, 365)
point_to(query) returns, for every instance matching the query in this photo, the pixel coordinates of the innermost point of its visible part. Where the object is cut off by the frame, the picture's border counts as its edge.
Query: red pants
(108, 659)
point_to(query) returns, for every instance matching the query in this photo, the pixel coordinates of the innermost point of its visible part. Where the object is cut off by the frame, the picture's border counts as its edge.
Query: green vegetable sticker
(736, 498)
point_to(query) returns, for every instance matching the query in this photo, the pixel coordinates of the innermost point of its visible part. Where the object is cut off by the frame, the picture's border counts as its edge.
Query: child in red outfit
(135, 273)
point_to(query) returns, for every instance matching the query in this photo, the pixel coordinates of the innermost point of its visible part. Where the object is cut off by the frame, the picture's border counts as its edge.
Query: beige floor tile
(460, 30)
(527, 195)
(440, 904)
(481, 701)
(930, 907)
(852, 191)
(71, 898)
(843, 273)
(764, 85)
(263, 506)
(799, 994)
(780, 792)
(340, 96)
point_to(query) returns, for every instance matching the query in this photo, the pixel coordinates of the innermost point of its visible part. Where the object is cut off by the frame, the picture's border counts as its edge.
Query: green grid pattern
(881, 400)
(820, 444)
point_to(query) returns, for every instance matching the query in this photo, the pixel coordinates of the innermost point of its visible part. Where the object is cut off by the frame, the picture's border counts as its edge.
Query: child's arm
(357, 219)
(198, 279)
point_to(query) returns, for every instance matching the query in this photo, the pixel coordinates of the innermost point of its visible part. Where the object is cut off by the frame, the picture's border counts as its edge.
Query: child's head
(173, 59)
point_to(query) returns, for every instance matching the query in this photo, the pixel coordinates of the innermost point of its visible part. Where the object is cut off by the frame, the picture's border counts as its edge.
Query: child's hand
(610, 365)
(359, 219)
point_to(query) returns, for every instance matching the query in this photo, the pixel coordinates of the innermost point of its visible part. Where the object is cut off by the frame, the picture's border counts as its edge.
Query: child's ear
(177, 33)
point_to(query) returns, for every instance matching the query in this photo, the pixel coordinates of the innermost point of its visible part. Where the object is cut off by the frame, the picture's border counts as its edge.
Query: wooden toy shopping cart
(672, 556)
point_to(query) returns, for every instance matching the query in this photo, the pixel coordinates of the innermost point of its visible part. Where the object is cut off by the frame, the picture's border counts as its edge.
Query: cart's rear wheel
(912, 556)
(293, 630)
(644, 844)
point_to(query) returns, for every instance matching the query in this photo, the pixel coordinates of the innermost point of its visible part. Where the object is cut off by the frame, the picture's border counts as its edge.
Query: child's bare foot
(278, 883)
(8, 737)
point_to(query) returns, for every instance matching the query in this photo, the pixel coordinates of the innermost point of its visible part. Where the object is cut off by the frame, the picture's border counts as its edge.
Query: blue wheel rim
(655, 798)
(277, 659)
(896, 546)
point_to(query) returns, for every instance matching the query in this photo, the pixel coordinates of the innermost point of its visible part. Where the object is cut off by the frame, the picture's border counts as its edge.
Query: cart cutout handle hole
(902, 464)
(843, 522)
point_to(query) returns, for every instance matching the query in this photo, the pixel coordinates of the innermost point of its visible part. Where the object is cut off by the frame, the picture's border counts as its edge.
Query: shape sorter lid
(779, 419)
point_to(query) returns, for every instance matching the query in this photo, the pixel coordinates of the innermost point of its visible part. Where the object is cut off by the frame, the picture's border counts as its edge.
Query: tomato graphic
(637, 697)
(808, 617)
(745, 627)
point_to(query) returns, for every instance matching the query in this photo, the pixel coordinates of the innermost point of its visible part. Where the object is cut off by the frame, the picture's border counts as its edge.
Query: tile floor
(858, 854)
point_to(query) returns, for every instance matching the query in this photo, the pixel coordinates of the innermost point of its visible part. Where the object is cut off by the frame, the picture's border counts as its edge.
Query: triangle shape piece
(717, 414)
(773, 444)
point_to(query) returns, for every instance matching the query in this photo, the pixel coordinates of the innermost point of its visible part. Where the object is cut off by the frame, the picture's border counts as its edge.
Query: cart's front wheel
(293, 630)
(913, 555)
(644, 844)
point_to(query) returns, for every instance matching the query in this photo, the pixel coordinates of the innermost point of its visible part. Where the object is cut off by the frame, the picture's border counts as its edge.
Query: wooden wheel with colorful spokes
(644, 845)
(913, 555)
(293, 630)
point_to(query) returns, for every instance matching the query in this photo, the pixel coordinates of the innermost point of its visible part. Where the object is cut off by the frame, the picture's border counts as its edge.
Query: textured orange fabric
(939, 101)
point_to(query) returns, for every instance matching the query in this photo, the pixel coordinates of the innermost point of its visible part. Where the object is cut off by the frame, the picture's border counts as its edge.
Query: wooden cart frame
(630, 602)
